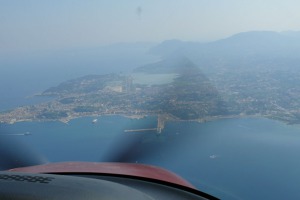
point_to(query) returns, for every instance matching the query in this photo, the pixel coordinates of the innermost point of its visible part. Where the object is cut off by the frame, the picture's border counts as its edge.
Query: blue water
(250, 158)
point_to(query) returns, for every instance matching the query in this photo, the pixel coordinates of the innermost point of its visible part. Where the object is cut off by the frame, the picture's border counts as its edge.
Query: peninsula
(185, 93)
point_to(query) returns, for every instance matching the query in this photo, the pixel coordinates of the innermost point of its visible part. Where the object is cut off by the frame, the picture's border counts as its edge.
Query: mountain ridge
(245, 44)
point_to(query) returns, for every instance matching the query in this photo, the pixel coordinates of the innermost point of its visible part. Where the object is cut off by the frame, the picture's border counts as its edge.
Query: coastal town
(113, 94)
(189, 95)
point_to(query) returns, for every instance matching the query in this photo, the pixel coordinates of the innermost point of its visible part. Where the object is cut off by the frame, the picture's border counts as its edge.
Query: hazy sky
(53, 24)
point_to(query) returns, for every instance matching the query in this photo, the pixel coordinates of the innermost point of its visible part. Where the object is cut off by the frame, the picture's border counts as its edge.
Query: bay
(247, 158)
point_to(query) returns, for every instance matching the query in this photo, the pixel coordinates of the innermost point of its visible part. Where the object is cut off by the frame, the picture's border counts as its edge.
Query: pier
(160, 126)
(140, 130)
(17, 134)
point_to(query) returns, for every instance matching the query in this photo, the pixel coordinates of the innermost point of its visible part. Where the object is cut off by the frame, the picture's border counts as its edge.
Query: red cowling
(129, 169)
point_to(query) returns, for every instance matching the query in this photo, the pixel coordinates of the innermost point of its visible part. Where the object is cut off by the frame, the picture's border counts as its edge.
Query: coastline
(166, 118)
(70, 118)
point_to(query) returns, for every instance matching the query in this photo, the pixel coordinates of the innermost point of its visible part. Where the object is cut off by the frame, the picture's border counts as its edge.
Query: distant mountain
(168, 47)
(170, 64)
(247, 47)
(295, 34)
(255, 43)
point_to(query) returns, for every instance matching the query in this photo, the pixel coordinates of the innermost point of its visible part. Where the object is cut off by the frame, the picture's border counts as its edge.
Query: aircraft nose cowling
(124, 169)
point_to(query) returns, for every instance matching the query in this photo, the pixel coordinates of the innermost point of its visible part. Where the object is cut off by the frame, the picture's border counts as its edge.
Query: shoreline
(167, 118)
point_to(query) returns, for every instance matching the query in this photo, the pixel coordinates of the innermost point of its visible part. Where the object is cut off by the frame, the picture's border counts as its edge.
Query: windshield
(209, 90)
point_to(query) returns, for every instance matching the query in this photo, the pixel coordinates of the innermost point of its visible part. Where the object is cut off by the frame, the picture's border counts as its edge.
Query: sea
(246, 158)
(240, 158)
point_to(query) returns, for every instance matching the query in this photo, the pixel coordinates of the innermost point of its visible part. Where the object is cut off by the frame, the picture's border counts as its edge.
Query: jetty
(140, 130)
(160, 126)
(17, 134)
